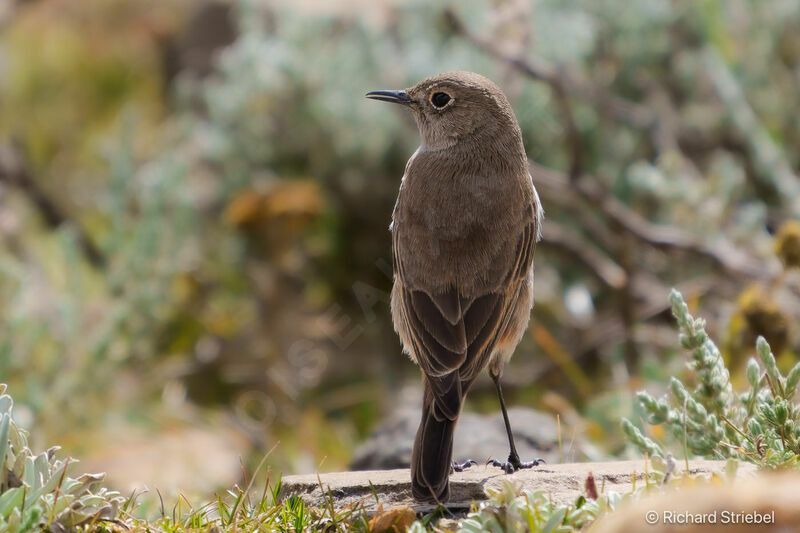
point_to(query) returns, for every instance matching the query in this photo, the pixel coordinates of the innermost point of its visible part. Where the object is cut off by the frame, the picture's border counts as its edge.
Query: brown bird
(464, 228)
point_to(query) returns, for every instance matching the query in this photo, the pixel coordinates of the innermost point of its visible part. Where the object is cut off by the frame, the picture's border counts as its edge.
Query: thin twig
(733, 427)
(58, 490)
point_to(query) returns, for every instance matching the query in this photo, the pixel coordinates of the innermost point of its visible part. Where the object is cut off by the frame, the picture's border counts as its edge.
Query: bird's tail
(432, 456)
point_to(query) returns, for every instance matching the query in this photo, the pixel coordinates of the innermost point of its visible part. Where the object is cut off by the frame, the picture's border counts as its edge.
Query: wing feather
(453, 336)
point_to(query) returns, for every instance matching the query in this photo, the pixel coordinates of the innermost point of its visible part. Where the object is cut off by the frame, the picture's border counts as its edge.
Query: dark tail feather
(433, 453)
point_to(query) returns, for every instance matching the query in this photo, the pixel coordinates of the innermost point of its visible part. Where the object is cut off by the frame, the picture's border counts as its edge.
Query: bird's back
(457, 220)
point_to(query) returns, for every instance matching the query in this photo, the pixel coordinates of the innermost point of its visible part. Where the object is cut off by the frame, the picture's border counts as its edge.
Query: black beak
(396, 97)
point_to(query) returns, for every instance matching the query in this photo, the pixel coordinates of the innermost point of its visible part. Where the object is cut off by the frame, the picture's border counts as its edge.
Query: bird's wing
(491, 332)
(453, 336)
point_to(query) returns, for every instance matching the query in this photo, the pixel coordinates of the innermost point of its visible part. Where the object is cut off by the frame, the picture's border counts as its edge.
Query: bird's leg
(460, 467)
(513, 463)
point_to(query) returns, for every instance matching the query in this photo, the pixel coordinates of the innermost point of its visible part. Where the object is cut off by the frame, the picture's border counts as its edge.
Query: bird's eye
(440, 99)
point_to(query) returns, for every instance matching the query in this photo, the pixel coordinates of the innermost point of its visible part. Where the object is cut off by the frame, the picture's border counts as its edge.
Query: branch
(14, 171)
(599, 264)
(724, 253)
(618, 108)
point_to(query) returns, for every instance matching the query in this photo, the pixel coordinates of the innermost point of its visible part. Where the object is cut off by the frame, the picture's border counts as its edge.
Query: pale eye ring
(440, 99)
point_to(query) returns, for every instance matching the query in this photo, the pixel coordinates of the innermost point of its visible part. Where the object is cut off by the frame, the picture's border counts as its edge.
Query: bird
(464, 228)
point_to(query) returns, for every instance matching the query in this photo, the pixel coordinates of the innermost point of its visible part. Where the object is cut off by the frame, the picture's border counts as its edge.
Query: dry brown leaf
(396, 519)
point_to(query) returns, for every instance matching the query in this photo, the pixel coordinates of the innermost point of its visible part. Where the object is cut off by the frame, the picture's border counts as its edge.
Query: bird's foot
(513, 464)
(460, 467)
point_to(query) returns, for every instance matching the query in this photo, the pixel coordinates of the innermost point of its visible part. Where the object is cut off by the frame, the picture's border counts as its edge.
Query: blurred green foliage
(238, 193)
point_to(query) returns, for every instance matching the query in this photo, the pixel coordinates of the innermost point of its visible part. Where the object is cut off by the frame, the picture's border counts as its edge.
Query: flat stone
(563, 482)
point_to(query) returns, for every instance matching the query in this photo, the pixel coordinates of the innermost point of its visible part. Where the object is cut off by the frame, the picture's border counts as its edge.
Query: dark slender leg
(513, 464)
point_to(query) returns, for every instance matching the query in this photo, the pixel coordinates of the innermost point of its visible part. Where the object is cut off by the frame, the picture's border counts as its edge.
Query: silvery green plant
(37, 492)
(760, 425)
(510, 510)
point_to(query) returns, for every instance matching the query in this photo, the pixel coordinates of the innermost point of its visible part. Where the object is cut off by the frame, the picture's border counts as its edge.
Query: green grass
(238, 510)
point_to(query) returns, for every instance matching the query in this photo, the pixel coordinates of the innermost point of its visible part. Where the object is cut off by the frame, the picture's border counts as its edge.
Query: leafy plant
(509, 509)
(36, 491)
(760, 425)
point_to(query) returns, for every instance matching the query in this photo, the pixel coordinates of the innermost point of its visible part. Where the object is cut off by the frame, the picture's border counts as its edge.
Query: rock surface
(478, 437)
(564, 482)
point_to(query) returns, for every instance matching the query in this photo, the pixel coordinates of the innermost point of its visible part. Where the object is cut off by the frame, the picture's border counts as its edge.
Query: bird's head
(456, 108)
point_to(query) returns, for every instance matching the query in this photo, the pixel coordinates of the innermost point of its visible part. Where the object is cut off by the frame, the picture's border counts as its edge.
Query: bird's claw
(513, 464)
(460, 467)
